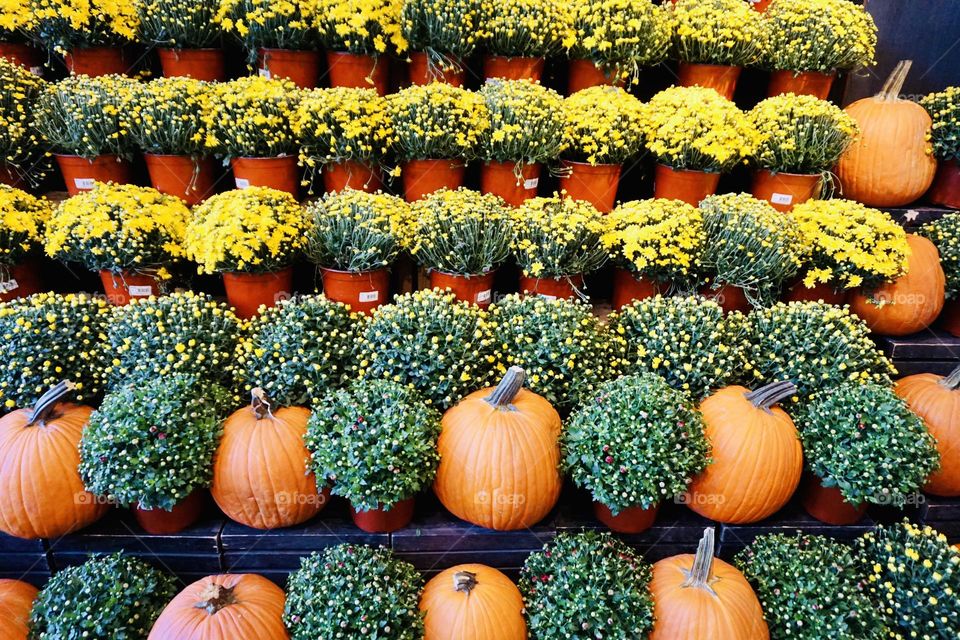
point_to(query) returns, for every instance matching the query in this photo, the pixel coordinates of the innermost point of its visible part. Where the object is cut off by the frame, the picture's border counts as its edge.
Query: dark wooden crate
(943, 514)
(25, 560)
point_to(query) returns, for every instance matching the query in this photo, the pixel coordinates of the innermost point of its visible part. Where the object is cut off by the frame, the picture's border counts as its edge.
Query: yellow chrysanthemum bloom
(726, 32)
(526, 121)
(22, 222)
(819, 35)
(558, 237)
(170, 116)
(275, 24)
(252, 117)
(527, 28)
(21, 148)
(65, 24)
(944, 110)
(437, 121)
(340, 124)
(183, 24)
(371, 27)
(603, 125)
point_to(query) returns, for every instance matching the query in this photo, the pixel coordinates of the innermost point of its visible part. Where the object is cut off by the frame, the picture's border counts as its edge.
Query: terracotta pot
(80, 173)
(512, 68)
(805, 83)
(784, 191)
(300, 67)
(23, 55)
(184, 514)
(420, 72)
(23, 280)
(552, 288)
(628, 288)
(729, 297)
(946, 186)
(123, 286)
(277, 173)
(338, 176)
(380, 521)
(950, 317)
(761, 5)
(364, 291)
(423, 177)
(630, 520)
(199, 64)
(584, 74)
(721, 78)
(11, 177)
(682, 184)
(356, 70)
(96, 61)
(475, 289)
(597, 184)
(247, 291)
(799, 293)
(193, 180)
(826, 504)
(499, 179)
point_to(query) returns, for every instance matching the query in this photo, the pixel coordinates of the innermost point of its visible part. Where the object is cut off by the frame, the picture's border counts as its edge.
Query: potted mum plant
(375, 444)
(355, 591)
(440, 37)
(354, 238)
(252, 236)
(656, 246)
(90, 36)
(187, 35)
(556, 241)
(23, 220)
(22, 156)
(17, 25)
(802, 138)
(944, 110)
(603, 129)
(520, 34)
(438, 128)
(129, 234)
(945, 235)
(695, 135)
(526, 130)
(461, 237)
(636, 443)
(808, 43)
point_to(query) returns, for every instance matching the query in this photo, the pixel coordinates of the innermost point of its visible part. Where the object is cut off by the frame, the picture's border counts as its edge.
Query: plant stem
(700, 575)
(215, 597)
(952, 381)
(509, 387)
(464, 581)
(894, 84)
(43, 409)
(768, 395)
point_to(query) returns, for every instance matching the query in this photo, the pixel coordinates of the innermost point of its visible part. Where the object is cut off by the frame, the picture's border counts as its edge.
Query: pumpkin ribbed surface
(472, 602)
(16, 601)
(937, 401)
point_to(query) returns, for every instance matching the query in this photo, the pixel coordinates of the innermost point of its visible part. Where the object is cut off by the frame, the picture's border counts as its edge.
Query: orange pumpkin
(909, 303)
(499, 456)
(226, 607)
(756, 451)
(890, 164)
(472, 602)
(41, 493)
(16, 601)
(260, 473)
(936, 399)
(699, 597)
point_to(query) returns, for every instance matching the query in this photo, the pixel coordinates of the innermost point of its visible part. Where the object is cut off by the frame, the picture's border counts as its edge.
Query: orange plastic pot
(597, 184)
(23, 55)
(513, 68)
(357, 70)
(96, 61)
(300, 67)
(184, 514)
(630, 520)
(10, 177)
(351, 175)
(500, 179)
(784, 191)
(729, 297)
(123, 286)
(382, 521)
(804, 83)
(23, 280)
(628, 288)
(761, 5)
(946, 185)
(246, 292)
(80, 173)
(721, 78)
(193, 180)
(826, 504)
(552, 288)
(423, 177)
(199, 64)
(475, 289)
(420, 72)
(682, 184)
(277, 173)
(584, 74)
(821, 292)
(949, 319)
(364, 291)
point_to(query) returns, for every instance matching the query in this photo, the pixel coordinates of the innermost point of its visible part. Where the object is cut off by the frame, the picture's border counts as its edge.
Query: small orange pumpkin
(911, 302)
(699, 597)
(225, 607)
(936, 399)
(472, 602)
(499, 456)
(41, 493)
(16, 601)
(260, 473)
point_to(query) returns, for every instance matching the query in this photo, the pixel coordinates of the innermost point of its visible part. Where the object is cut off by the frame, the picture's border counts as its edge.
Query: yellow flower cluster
(65, 24)
(446, 30)
(255, 230)
(20, 148)
(620, 36)
(945, 234)
(850, 245)
(944, 110)
(340, 124)
(603, 125)
(819, 35)
(22, 221)
(361, 26)
(726, 32)
(118, 227)
(279, 24)
(184, 24)
(528, 28)
(526, 121)
(558, 237)
(251, 117)
(16, 16)
(696, 128)
(169, 116)
(437, 121)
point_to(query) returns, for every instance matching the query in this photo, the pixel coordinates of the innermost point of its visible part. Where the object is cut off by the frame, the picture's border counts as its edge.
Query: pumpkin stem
(952, 381)
(464, 581)
(767, 396)
(700, 575)
(894, 84)
(509, 387)
(215, 597)
(260, 403)
(43, 409)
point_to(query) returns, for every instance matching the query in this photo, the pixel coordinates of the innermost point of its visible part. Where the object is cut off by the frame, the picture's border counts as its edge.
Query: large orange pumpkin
(890, 163)
(756, 451)
(499, 456)
(700, 597)
(16, 601)
(936, 399)
(909, 303)
(472, 602)
(260, 473)
(226, 607)
(41, 493)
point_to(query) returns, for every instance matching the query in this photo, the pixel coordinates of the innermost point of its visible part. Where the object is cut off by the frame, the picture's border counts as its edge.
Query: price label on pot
(242, 183)
(264, 73)
(781, 198)
(369, 296)
(531, 183)
(484, 296)
(9, 285)
(141, 290)
(83, 183)
(37, 71)
(547, 297)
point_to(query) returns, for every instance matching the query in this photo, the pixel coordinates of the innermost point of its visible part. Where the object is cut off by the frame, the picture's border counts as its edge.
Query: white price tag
(781, 198)
(37, 71)
(484, 296)
(546, 297)
(531, 183)
(141, 290)
(9, 285)
(369, 296)
(264, 73)
(242, 183)
(84, 183)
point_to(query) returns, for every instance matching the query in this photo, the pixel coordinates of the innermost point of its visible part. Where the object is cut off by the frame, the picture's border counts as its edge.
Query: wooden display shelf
(930, 351)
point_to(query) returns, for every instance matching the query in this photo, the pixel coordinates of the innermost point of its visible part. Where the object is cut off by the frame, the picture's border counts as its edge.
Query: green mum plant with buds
(170, 116)
(113, 597)
(21, 149)
(23, 220)
(62, 25)
(726, 32)
(810, 587)
(944, 110)
(252, 116)
(354, 591)
(181, 24)
(527, 28)
(603, 125)
(526, 122)
(636, 443)
(437, 121)
(558, 237)
(945, 234)
(447, 31)
(268, 24)
(586, 585)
